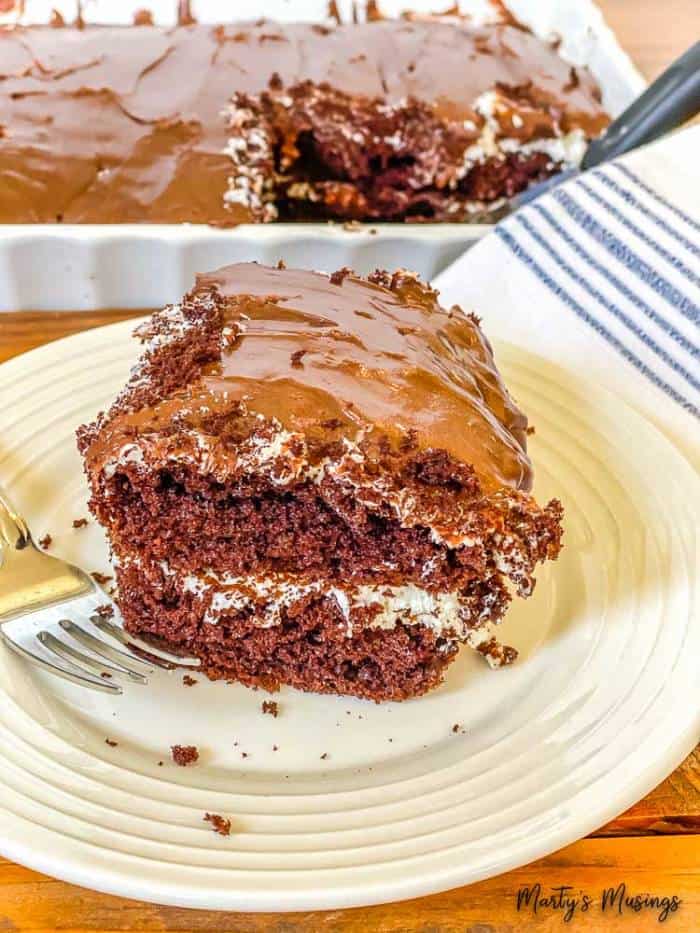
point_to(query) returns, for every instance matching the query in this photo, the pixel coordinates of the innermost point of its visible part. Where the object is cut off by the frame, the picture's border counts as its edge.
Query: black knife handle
(667, 103)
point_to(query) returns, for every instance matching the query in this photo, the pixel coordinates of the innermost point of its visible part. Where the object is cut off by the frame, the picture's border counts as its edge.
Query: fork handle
(14, 532)
(667, 103)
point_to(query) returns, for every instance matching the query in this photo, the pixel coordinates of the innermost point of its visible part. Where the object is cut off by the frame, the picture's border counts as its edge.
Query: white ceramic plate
(601, 705)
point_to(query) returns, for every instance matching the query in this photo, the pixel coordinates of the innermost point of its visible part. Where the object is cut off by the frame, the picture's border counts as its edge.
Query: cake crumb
(105, 675)
(275, 748)
(297, 357)
(100, 578)
(275, 83)
(184, 754)
(339, 275)
(324, 756)
(160, 764)
(111, 743)
(245, 755)
(142, 17)
(573, 81)
(281, 264)
(219, 824)
(352, 226)
(80, 522)
(45, 542)
(105, 611)
(271, 708)
(530, 429)
(189, 681)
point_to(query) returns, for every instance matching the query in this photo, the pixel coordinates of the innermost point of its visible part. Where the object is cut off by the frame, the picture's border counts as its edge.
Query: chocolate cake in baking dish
(318, 481)
(425, 120)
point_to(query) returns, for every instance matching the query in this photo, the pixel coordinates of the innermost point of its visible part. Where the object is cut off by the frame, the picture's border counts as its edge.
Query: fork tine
(132, 641)
(101, 648)
(69, 653)
(70, 672)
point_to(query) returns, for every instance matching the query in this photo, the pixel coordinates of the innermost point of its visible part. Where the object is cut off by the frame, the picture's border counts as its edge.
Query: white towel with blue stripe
(602, 276)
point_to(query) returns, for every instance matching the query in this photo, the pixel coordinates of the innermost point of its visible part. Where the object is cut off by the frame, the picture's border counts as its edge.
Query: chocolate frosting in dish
(332, 358)
(118, 124)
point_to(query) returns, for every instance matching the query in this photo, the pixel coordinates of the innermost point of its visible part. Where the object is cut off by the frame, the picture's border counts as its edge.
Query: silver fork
(49, 615)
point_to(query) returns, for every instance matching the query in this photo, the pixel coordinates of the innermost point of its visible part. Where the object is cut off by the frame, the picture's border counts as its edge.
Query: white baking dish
(74, 267)
(82, 267)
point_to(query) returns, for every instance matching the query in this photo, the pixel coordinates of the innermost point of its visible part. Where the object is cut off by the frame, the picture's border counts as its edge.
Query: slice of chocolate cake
(318, 481)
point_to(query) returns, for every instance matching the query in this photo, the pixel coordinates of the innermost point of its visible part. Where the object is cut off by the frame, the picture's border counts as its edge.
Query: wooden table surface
(654, 847)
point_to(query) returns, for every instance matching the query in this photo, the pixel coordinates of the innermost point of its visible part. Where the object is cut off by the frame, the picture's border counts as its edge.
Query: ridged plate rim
(122, 877)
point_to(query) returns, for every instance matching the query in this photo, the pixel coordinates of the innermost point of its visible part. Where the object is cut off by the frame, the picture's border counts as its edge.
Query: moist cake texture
(318, 481)
(432, 119)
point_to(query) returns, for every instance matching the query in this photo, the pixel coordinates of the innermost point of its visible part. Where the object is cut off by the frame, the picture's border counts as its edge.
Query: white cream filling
(447, 614)
(438, 611)
(567, 148)
(444, 612)
(128, 453)
(250, 151)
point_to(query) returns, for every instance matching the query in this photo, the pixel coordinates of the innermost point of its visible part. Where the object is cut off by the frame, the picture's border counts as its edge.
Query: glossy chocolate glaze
(119, 124)
(338, 356)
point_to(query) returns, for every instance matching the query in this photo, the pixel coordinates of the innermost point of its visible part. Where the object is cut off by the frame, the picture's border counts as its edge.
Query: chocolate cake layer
(395, 120)
(197, 523)
(304, 453)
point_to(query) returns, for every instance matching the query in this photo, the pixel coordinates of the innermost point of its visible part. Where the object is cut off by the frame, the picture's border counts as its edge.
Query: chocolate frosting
(117, 124)
(338, 356)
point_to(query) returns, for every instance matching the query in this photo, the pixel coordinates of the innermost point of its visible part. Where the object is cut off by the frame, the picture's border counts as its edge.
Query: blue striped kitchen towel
(602, 276)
